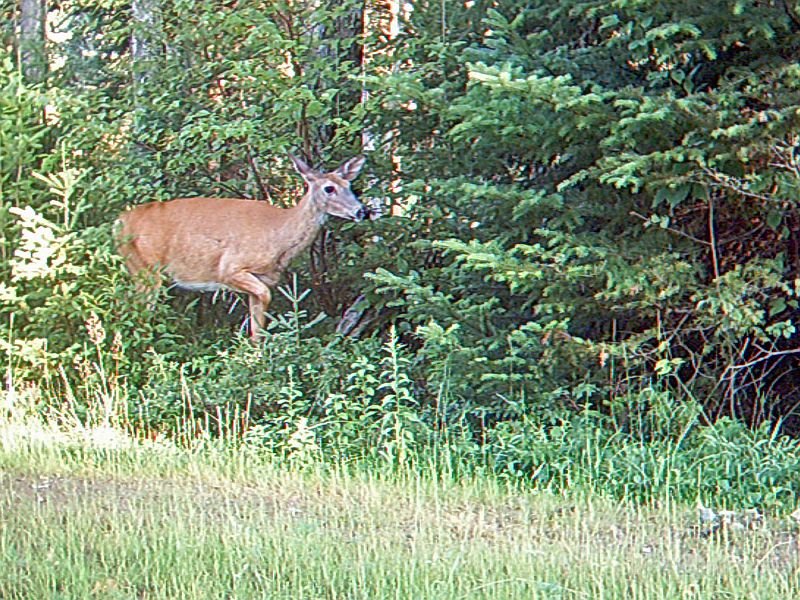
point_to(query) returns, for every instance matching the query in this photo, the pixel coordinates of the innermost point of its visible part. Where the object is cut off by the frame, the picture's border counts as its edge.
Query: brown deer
(210, 243)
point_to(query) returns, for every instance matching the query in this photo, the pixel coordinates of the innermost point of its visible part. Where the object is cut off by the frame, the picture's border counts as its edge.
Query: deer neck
(305, 220)
(309, 214)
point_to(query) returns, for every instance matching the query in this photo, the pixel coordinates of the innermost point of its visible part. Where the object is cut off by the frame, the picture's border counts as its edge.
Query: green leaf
(774, 219)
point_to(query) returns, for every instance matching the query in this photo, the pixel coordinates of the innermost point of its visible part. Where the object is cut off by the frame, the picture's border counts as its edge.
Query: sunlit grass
(103, 516)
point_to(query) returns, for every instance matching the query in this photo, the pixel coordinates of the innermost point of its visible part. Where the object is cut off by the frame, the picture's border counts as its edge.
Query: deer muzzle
(361, 214)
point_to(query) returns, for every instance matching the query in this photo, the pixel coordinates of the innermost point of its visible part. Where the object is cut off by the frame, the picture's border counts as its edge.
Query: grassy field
(101, 516)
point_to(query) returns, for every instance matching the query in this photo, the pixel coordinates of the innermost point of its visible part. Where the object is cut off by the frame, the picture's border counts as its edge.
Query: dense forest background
(589, 225)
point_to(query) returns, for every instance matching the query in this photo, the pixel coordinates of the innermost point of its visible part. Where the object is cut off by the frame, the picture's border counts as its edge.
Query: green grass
(106, 517)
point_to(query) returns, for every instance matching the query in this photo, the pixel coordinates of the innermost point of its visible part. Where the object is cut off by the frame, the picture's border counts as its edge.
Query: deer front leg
(259, 296)
(258, 306)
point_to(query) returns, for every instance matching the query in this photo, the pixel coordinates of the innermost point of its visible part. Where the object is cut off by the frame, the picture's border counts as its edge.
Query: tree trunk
(33, 56)
(144, 51)
(332, 46)
(144, 41)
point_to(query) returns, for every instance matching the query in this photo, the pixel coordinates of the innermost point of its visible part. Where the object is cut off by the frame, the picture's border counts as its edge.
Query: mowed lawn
(121, 519)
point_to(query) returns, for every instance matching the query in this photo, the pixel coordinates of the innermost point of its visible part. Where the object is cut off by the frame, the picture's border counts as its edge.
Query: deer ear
(350, 169)
(302, 167)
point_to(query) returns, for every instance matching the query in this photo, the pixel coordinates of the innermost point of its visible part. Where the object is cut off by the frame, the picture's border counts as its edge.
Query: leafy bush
(726, 462)
(347, 398)
(599, 194)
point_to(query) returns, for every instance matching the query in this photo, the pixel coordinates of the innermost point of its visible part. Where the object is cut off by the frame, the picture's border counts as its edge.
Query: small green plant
(400, 412)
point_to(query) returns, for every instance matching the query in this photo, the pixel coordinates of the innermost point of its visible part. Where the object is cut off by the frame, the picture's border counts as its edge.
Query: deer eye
(329, 189)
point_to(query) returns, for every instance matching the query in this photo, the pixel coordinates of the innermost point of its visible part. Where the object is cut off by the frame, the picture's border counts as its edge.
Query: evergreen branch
(790, 12)
(673, 230)
(731, 183)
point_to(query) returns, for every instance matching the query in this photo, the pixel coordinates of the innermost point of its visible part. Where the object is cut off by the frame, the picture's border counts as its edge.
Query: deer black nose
(361, 214)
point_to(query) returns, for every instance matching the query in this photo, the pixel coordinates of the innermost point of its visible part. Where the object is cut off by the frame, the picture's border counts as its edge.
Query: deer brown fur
(243, 245)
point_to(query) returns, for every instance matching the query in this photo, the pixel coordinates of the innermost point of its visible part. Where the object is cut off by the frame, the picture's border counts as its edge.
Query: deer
(206, 244)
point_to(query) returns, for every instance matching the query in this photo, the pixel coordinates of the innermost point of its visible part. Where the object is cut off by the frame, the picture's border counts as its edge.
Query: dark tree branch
(790, 12)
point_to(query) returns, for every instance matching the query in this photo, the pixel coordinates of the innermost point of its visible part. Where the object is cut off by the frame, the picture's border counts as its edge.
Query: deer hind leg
(146, 277)
(147, 281)
(259, 295)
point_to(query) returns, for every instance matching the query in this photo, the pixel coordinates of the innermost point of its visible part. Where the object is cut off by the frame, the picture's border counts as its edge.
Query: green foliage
(672, 455)
(297, 395)
(213, 116)
(604, 195)
(590, 218)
